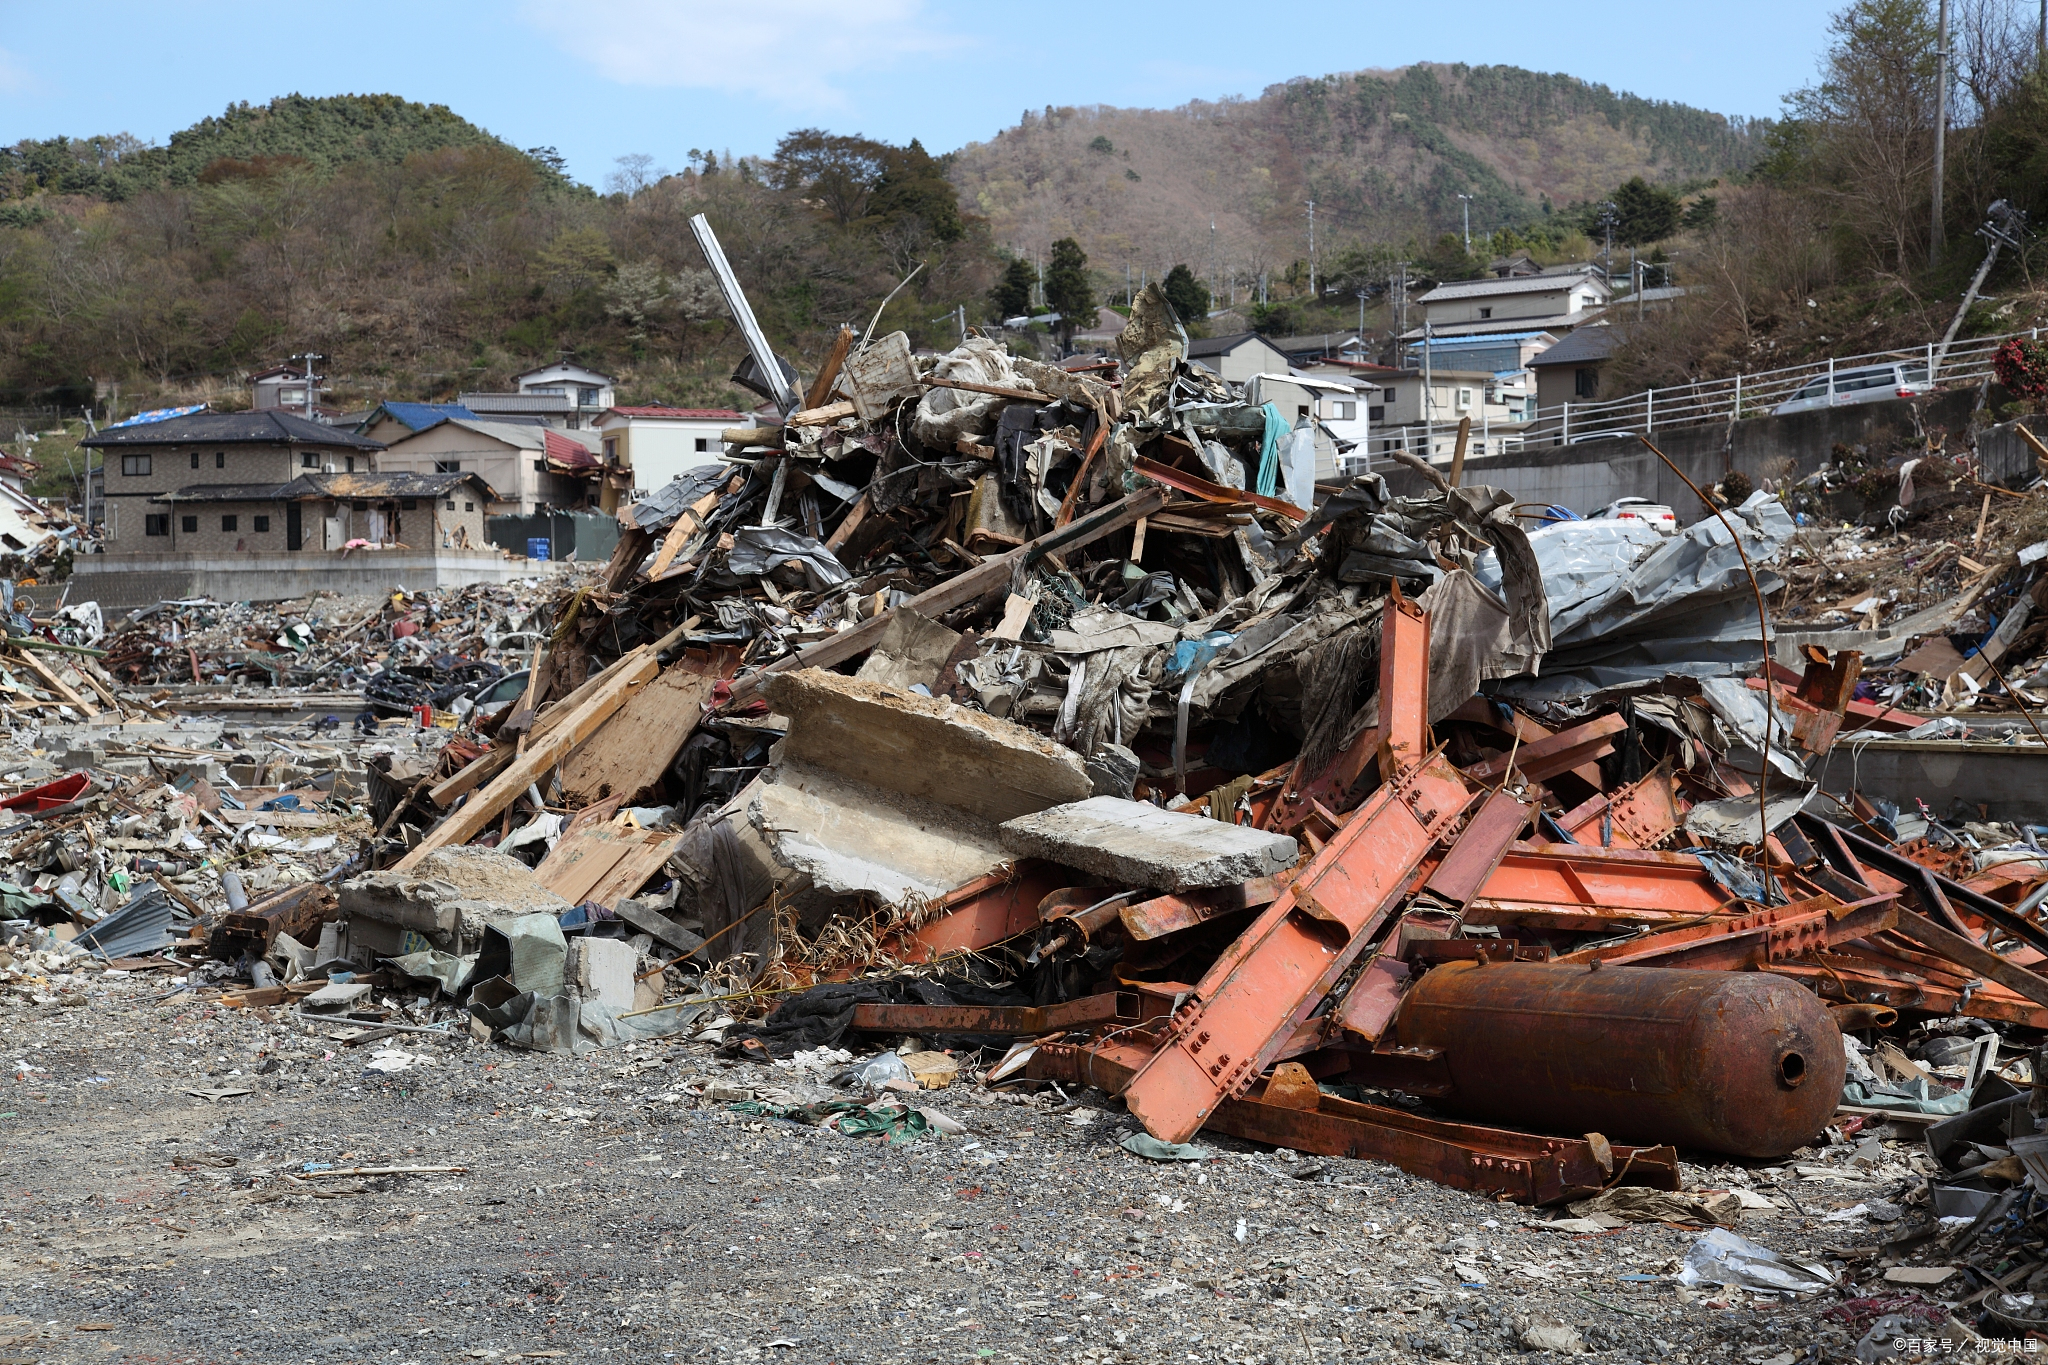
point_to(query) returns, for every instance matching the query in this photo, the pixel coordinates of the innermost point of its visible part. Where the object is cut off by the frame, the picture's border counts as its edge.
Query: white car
(1657, 515)
(1869, 384)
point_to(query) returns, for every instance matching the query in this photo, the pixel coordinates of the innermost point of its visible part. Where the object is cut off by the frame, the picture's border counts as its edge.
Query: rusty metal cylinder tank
(1739, 1062)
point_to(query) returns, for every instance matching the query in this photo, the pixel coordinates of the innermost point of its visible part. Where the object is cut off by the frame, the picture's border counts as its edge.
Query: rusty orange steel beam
(1739, 942)
(1245, 1008)
(1524, 1167)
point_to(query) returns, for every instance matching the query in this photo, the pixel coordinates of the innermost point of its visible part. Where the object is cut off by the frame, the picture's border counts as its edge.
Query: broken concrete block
(1135, 844)
(451, 896)
(890, 794)
(336, 995)
(601, 970)
(1114, 771)
(923, 746)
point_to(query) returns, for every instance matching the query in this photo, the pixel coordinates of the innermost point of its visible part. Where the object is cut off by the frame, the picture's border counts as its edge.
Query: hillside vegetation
(424, 256)
(1385, 155)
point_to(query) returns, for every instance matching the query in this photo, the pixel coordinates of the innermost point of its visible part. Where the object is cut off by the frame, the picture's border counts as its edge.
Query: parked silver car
(1864, 384)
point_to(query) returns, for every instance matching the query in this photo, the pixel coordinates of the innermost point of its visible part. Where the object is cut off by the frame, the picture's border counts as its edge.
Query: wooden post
(1458, 453)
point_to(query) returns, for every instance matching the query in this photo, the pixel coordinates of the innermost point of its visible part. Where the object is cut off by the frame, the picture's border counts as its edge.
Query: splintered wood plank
(629, 756)
(643, 858)
(588, 849)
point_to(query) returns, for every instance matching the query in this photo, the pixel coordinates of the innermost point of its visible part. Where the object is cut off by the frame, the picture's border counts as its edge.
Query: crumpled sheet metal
(758, 549)
(1744, 710)
(659, 509)
(1620, 615)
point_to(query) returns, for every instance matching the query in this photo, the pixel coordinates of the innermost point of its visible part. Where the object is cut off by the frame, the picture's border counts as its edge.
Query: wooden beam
(1020, 395)
(691, 520)
(818, 417)
(1458, 453)
(55, 683)
(848, 524)
(828, 373)
(544, 752)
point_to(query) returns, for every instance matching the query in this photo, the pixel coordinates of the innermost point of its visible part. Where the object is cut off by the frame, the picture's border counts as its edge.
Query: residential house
(1571, 371)
(388, 422)
(294, 389)
(1414, 416)
(324, 511)
(148, 462)
(653, 445)
(561, 393)
(532, 467)
(1554, 301)
(1237, 358)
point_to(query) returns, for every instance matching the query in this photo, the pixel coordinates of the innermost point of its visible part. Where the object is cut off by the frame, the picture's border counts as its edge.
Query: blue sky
(602, 78)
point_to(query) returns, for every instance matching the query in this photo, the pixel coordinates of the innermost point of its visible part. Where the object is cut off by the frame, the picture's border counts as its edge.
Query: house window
(195, 459)
(1347, 412)
(408, 504)
(156, 524)
(1378, 414)
(291, 396)
(188, 524)
(261, 523)
(611, 449)
(1486, 312)
(540, 466)
(135, 464)
(468, 506)
(447, 466)
(1585, 382)
(220, 459)
(309, 461)
(586, 396)
(449, 504)
(351, 464)
(1464, 398)
(703, 444)
(227, 523)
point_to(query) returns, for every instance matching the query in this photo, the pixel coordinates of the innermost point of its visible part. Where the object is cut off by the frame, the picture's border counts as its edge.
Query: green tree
(1188, 295)
(1644, 213)
(1700, 213)
(913, 184)
(1012, 295)
(838, 170)
(1448, 260)
(1067, 291)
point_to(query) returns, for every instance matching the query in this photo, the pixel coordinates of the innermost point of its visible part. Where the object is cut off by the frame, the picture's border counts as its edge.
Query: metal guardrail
(1750, 395)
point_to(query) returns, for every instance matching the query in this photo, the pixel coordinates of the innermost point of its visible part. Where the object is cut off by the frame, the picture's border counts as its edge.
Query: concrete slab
(1137, 844)
(923, 746)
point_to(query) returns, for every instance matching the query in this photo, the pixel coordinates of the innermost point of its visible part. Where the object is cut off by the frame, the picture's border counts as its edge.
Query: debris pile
(1058, 718)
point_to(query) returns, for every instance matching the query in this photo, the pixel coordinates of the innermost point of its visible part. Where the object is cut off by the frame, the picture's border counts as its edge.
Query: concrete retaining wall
(1588, 476)
(120, 582)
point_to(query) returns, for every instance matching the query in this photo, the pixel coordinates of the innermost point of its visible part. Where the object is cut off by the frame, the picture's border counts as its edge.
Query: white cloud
(16, 79)
(802, 53)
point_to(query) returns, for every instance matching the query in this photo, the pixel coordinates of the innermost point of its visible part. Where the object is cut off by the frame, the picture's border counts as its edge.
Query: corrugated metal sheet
(149, 921)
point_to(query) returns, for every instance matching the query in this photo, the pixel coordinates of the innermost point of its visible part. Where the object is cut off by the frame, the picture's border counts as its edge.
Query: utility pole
(1400, 285)
(1940, 131)
(1312, 246)
(1428, 399)
(1361, 315)
(308, 358)
(1467, 207)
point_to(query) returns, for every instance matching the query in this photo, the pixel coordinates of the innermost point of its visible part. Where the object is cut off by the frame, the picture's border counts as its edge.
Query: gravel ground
(612, 1211)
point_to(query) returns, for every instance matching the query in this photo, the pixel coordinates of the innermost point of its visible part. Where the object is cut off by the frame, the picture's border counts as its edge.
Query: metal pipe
(743, 313)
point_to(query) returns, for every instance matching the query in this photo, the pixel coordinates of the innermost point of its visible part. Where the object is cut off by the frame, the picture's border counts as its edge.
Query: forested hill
(324, 134)
(1385, 155)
